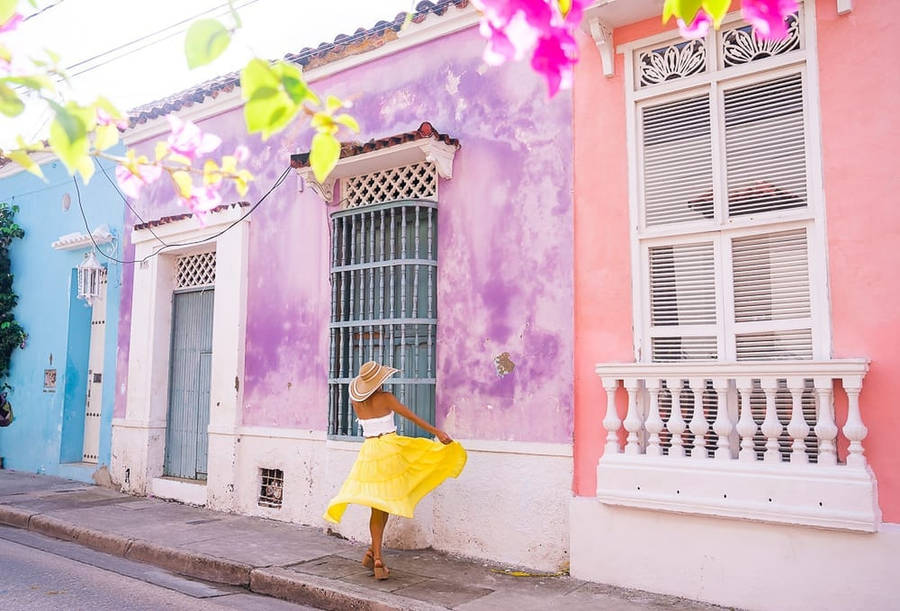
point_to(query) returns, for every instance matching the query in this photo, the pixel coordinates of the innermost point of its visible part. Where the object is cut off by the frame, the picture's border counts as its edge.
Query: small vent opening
(271, 488)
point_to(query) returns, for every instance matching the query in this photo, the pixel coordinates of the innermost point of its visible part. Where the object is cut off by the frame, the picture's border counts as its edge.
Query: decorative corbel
(324, 190)
(440, 154)
(844, 6)
(603, 38)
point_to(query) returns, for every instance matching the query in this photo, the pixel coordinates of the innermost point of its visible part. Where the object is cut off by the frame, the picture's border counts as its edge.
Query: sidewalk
(296, 563)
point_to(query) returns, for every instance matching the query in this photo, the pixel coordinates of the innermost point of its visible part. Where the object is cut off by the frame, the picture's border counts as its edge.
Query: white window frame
(715, 81)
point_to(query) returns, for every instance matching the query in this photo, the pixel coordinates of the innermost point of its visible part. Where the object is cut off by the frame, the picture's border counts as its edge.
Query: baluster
(771, 426)
(676, 423)
(632, 417)
(826, 429)
(797, 428)
(854, 429)
(722, 425)
(611, 420)
(746, 426)
(699, 425)
(654, 423)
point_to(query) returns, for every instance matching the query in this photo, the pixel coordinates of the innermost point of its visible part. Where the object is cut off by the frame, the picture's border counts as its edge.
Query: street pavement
(40, 573)
(301, 564)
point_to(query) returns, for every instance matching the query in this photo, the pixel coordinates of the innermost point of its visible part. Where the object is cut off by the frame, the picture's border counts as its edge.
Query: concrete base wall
(489, 512)
(750, 565)
(509, 505)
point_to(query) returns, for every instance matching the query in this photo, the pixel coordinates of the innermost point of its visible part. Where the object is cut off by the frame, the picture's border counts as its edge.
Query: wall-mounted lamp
(90, 274)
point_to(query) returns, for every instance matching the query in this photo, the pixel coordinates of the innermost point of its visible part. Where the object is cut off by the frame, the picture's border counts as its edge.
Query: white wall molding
(269, 432)
(809, 495)
(428, 149)
(844, 6)
(138, 448)
(517, 447)
(431, 28)
(80, 240)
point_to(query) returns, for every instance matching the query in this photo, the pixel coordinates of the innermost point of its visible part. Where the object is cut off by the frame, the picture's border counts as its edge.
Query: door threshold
(189, 491)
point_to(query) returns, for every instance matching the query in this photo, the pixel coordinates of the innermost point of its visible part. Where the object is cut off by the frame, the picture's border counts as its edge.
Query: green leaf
(68, 136)
(86, 168)
(717, 9)
(323, 155)
(269, 108)
(11, 104)
(105, 136)
(206, 40)
(36, 82)
(7, 9)
(22, 158)
(685, 10)
(292, 81)
(347, 121)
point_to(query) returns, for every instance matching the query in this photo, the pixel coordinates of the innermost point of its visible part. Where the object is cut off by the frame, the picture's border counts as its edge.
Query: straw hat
(371, 376)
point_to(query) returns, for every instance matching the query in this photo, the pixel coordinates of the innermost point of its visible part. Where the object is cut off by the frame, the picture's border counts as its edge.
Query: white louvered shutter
(765, 146)
(677, 183)
(683, 302)
(771, 283)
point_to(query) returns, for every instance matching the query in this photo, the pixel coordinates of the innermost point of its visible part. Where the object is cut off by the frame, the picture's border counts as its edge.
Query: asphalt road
(41, 573)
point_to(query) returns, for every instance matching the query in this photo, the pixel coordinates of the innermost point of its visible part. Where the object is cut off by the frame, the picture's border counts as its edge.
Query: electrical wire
(131, 43)
(278, 182)
(127, 203)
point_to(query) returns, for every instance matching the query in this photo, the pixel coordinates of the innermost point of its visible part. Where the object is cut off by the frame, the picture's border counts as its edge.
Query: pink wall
(859, 85)
(603, 307)
(861, 142)
(504, 247)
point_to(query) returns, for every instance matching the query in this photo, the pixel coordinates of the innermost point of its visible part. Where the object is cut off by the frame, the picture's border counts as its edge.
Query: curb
(277, 582)
(12, 516)
(191, 564)
(319, 591)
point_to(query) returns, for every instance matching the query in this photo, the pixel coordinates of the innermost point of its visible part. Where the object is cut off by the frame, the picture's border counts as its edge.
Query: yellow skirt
(392, 473)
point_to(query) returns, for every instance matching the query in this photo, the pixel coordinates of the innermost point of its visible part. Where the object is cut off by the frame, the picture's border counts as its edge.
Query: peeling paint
(504, 364)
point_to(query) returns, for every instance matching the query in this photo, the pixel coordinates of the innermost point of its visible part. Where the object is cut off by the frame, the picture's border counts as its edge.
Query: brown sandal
(368, 560)
(381, 571)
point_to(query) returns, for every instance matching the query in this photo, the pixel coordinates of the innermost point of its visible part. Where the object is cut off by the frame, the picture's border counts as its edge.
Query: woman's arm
(404, 411)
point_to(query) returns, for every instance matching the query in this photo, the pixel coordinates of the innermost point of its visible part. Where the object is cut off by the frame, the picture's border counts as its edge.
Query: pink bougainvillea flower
(698, 28)
(517, 28)
(188, 141)
(554, 59)
(12, 23)
(104, 118)
(241, 153)
(767, 16)
(202, 200)
(133, 175)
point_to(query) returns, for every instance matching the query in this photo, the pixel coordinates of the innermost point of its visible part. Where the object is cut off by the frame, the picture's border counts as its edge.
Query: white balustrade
(744, 399)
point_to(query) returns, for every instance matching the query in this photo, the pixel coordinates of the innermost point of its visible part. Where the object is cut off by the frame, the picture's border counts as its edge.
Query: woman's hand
(443, 437)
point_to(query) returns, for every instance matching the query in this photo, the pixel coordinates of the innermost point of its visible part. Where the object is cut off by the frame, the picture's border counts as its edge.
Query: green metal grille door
(384, 306)
(189, 382)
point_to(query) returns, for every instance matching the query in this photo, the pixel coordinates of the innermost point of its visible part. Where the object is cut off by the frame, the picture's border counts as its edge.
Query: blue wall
(47, 431)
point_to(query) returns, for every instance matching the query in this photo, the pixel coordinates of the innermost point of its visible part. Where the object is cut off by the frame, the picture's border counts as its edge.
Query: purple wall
(505, 248)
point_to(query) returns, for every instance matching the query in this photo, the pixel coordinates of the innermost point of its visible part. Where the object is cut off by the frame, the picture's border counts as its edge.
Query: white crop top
(373, 427)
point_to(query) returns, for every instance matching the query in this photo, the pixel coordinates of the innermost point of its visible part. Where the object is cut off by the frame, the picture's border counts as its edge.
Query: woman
(392, 473)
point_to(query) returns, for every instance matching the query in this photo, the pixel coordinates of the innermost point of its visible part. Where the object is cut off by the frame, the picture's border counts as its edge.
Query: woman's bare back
(379, 404)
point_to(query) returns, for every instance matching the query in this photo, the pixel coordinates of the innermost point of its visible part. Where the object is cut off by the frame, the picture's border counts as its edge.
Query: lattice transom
(416, 181)
(196, 270)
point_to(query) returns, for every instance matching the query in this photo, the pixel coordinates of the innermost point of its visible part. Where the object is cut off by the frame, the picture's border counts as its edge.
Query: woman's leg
(377, 522)
(376, 529)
